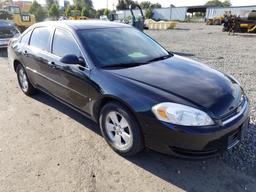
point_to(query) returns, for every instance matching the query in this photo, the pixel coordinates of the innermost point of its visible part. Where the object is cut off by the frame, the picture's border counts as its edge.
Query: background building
(182, 13)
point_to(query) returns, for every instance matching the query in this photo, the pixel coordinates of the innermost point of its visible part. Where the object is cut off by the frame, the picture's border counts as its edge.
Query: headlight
(181, 115)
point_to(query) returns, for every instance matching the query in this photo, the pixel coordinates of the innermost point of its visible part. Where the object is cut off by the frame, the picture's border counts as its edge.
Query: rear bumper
(191, 142)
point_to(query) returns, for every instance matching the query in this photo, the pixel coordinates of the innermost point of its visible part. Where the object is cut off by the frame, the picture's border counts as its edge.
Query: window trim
(74, 39)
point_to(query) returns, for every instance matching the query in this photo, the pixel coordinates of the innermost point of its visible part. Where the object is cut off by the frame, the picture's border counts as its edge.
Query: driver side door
(71, 81)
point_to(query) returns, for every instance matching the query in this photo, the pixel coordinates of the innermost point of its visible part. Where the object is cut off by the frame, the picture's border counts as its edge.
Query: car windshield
(8, 32)
(120, 47)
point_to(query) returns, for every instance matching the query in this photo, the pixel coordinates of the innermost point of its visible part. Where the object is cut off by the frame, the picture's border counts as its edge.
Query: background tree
(227, 3)
(85, 12)
(218, 3)
(148, 4)
(54, 11)
(106, 12)
(149, 13)
(145, 4)
(156, 5)
(99, 12)
(37, 10)
(49, 3)
(124, 4)
(87, 3)
(68, 11)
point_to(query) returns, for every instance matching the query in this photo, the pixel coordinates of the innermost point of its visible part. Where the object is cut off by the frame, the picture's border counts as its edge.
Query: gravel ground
(234, 55)
(45, 146)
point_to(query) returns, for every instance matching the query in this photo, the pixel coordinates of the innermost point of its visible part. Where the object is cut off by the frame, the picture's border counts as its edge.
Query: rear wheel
(24, 82)
(120, 129)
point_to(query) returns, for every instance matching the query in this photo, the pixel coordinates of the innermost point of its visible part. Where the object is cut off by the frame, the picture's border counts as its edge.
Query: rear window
(25, 39)
(40, 38)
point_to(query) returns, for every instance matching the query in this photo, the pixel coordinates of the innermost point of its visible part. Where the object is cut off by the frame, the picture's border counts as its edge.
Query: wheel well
(106, 100)
(15, 64)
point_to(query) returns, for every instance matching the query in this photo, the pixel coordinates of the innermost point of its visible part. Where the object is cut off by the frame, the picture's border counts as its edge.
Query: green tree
(68, 11)
(218, 3)
(99, 13)
(149, 13)
(124, 4)
(49, 3)
(85, 12)
(87, 3)
(37, 10)
(156, 5)
(106, 12)
(54, 11)
(145, 4)
(148, 4)
(227, 3)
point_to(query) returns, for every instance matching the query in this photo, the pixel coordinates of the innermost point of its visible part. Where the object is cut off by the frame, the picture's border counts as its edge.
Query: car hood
(202, 86)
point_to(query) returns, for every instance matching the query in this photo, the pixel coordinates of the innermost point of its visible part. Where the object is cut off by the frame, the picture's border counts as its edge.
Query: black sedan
(7, 31)
(140, 94)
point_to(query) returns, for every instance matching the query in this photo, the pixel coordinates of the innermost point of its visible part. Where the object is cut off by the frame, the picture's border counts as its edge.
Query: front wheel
(120, 129)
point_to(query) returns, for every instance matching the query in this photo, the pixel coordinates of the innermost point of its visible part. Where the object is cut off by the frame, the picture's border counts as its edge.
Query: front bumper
(194, 142)
(4, 42)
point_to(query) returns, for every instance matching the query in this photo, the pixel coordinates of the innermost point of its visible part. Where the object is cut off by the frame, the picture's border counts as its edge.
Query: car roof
(82, 24)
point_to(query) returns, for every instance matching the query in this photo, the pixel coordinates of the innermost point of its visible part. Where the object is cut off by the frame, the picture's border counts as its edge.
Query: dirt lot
(45, 146)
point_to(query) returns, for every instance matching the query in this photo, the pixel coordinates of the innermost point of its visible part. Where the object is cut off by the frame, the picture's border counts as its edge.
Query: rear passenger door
(71, 81)
(37, 54)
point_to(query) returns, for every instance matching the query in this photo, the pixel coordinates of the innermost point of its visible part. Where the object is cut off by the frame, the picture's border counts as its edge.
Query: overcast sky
(166, 3)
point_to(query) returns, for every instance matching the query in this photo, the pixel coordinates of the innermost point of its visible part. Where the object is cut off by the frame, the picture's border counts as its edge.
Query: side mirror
(72, 60)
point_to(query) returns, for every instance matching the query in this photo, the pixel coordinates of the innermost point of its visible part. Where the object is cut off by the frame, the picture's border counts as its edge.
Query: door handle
(52, 64)
(25, 53)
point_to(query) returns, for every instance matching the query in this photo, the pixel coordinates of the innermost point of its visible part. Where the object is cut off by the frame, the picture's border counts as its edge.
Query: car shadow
(189, 175)
(50, 101)
(3, 52)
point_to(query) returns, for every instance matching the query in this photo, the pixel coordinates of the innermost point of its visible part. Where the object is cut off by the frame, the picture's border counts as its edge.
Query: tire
(24, 82)
(122, 133)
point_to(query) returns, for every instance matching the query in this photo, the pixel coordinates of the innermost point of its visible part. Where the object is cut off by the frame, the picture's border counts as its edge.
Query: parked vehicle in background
(139, 93)
(21, 20)
(7, 31)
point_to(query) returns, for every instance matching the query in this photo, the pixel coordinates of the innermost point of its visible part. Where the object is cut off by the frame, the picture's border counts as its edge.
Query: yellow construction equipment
(76, 15)
(21, 20)
(244, 23)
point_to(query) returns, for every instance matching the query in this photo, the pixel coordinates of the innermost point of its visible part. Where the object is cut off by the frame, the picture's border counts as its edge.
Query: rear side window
(40, 38)
(25, 39)
(64, 44)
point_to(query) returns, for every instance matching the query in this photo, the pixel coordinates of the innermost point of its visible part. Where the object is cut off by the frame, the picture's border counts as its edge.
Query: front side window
(119, 46)
(40, 38)
(64, 44)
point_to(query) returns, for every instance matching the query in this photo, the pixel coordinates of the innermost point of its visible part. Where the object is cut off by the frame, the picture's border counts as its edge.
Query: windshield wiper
(160, 58)
(123, 65)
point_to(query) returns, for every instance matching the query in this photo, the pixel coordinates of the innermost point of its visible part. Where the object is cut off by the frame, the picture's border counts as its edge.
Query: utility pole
(107, 4)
